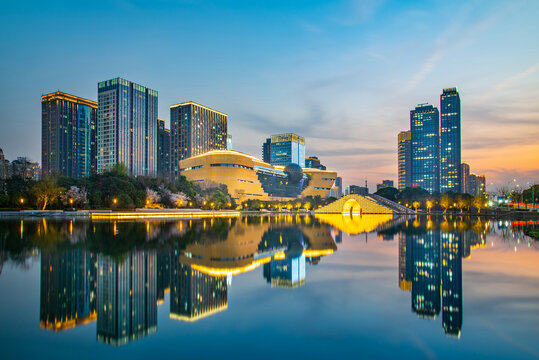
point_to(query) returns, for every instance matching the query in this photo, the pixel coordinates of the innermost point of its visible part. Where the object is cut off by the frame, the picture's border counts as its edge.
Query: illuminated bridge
(358, 204)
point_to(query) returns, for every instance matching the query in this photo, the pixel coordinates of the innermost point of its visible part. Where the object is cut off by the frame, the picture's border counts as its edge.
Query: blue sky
(344, 74)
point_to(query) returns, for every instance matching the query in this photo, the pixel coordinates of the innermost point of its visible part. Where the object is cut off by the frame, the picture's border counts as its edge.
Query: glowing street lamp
(114, 201)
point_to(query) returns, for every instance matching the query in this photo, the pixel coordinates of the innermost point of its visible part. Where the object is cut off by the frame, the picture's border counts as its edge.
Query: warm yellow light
(22, 201)
(114, 200)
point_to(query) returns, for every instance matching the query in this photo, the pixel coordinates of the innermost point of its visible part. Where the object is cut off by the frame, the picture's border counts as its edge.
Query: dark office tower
(405, 262)
(465, 178)
(194, 294)
(195, 129)
(452, 283)
(405, 159)
(126, 297)
(163, 149)
(68, 135)
(426, 274)
(126, 127)
(266, 151)
(424, 125)
(68, 286)
(450, 141)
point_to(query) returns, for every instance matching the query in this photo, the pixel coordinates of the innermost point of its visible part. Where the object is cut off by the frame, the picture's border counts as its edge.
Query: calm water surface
(269, 287)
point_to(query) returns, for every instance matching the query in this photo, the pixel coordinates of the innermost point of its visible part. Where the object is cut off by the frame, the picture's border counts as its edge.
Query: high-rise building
(425, 138)
(314, 163)
(287, 149)
(163, 149)
(405, 159)
(465, 178)
(286, 273)
(229, 142)
(405, 262)
(4, 174)
(126, 127)
(195, 129)
(481, 184)
(266, 151)
(337, 187)
(356, 189)
(450, 154)
(68, 135)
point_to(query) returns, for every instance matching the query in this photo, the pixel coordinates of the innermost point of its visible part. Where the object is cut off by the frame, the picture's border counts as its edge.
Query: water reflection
(118, 273)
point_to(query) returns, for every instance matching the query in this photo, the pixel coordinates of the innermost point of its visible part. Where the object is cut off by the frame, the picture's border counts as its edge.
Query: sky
(344, 74)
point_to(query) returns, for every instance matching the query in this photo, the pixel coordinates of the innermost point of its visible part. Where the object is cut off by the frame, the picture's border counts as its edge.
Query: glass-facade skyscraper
(405, 159)
(450, 154)
(425, 147)
(127, 127)
(163, 149)
(195, 129)
(68, 135)
(287, 149)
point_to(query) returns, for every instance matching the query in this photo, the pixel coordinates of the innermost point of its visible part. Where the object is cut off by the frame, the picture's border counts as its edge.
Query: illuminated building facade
(126, 297)
(68, 135)
(195, 129)
(425, 147)
(286, 149)
(126, 127)
(266, 151)
(405, 159)
(450, 154)
(405, 262)
(250, 178)
(24, 168)
(452, 283)
(163, 149)
(68, 289)
(385, 184)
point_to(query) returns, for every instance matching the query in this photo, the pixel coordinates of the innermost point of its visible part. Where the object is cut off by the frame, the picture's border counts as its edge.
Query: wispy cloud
(505, 83)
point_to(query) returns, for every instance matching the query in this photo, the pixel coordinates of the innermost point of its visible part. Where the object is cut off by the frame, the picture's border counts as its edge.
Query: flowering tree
(75, 197)
(152, 199)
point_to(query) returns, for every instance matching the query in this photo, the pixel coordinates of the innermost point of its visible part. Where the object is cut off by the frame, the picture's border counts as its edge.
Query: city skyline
(349, 105)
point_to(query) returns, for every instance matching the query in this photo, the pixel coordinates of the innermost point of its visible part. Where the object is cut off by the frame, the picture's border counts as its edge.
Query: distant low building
(25, 168)
(358, 190)
(314, 163)
(384, 184)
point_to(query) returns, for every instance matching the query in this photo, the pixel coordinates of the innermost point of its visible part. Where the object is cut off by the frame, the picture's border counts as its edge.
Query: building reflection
(68, 289)
(430, 266)
(126, 297)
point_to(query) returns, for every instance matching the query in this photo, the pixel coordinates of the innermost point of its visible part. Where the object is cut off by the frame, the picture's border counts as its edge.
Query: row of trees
(417, 198)
(306, 203)
(113, 189)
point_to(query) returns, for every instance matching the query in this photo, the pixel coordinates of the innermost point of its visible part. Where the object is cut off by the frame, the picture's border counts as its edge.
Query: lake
(332, 286)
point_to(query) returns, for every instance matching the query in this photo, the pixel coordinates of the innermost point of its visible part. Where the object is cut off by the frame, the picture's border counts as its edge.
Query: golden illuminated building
(247, 177)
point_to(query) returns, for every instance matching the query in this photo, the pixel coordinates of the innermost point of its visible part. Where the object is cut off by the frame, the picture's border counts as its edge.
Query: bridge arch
(351, 206)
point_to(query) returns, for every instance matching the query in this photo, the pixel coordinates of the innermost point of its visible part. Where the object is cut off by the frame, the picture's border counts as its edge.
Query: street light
(114, 201)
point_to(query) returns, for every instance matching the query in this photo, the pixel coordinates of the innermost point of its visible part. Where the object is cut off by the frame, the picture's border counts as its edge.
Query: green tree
(389, 193)
(445, 202)
(45, 192)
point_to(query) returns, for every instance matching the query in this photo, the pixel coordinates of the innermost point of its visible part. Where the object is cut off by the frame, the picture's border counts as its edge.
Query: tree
(389, 193)
(45, 191)
(479, 202)
(445, 202)
(416, 205)
(74, 197)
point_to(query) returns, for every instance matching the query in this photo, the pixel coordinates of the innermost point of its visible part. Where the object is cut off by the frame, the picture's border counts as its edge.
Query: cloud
(505, 83)
(310, 27)
(359, 11)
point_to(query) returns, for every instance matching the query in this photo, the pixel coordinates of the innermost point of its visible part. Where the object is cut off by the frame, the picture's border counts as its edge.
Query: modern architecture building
(163, 149)
(229, 142)
(286, 149)
(384, 184)
(336, 190)
(68, 135)
(250, 178)
(450, 142)
(314, 162)
(126, 127)
(465, 178)
(425, 147)
(405, 159)
(426, 274)
(195, 129)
